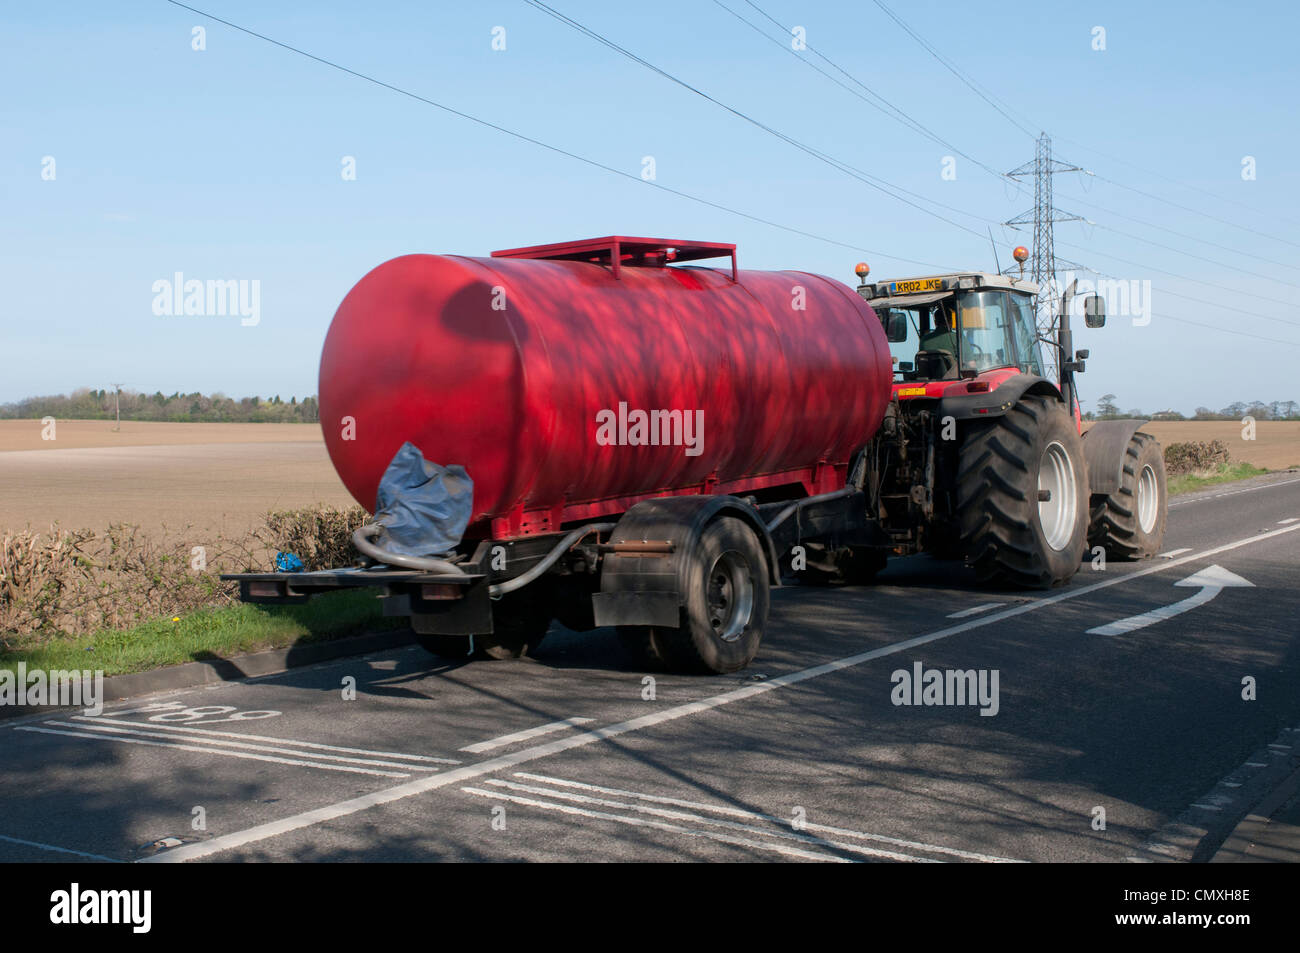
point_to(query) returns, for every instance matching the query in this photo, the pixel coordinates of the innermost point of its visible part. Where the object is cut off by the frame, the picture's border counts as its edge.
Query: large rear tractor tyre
(1130, 523)
(1022, 496)
(727, 598)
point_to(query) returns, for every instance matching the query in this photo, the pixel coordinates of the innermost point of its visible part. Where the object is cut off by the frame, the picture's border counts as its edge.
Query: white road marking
(975, 610)
(659, 825)
(57, 850)
(101, 736)
(527, 734)
(1249, 489)
(788, 833)
(468, 772)
(119, 728)
(753, 816)
(279, 741)
(1293, 519)
(1212, 581)
(1175, 552)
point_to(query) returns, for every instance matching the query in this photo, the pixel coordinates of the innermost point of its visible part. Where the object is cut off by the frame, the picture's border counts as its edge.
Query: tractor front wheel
(1130, 523)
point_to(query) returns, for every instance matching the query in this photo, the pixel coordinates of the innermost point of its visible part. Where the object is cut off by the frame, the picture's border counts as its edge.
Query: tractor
(983, 457)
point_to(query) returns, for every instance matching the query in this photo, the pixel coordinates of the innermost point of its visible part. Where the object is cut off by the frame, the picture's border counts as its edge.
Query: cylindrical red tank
(505, 365)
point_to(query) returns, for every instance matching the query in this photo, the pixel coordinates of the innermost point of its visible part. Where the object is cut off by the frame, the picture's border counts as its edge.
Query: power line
(545, 145)
(842, 166)
(994, 103)
(1171, 231)
(988, 98)
(606, 168)
(888, 108)
(1183, 185)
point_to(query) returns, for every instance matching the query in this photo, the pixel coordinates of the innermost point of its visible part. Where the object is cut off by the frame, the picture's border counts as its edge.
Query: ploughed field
(1276, 445)
(223, 477)
(209, 477)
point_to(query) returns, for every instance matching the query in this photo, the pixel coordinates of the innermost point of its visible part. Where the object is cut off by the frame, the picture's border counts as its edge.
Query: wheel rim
(1059, 512)
(730, 596)
(1148, 499)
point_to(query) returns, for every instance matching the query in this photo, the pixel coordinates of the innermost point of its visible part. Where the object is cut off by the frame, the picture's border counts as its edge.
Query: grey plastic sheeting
(422, 506)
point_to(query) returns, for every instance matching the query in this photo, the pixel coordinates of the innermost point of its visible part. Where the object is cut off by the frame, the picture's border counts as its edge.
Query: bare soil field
(223, 477)
(1276, 445)
(212, 478)
(79, 434)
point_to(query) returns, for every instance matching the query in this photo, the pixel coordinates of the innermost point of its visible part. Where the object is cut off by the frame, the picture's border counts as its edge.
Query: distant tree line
(1107, 409)
(87, 404)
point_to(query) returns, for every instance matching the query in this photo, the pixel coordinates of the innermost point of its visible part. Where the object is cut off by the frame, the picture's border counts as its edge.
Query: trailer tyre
(1130, 523)
(725, 580)
(1022, 496)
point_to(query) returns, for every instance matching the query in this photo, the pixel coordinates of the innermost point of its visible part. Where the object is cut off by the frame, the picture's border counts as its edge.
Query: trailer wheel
(1022, 496)
(727, 597)
(1130, 523)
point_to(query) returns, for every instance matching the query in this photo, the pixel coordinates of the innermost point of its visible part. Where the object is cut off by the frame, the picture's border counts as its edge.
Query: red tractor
(984, 458)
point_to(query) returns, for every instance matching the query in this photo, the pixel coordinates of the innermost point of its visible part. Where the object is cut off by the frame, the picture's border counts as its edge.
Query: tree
(1106, 406)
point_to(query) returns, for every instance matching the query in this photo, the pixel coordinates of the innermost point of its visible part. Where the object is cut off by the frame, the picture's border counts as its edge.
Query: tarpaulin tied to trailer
(422, 507)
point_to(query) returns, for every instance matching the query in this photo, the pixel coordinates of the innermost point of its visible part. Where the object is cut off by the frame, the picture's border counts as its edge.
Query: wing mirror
(1094, 311)
(895, 326)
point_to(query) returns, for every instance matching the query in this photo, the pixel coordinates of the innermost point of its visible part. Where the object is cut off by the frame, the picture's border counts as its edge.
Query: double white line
(232, 744)
(730, 825)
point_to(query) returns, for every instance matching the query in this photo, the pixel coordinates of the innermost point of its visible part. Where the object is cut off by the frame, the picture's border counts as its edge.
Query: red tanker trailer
(651, 445)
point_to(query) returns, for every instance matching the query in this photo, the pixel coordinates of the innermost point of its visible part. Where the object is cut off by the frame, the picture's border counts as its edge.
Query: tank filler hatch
(619, 251)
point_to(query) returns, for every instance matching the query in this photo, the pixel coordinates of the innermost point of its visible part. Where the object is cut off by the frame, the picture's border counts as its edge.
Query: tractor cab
(957, 327)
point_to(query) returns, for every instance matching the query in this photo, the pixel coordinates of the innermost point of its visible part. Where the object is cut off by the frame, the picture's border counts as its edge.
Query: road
(805, 756)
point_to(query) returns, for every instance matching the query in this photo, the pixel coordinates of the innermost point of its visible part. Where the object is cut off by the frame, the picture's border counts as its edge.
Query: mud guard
(1104, 444)
(997, 402)
(644, 588)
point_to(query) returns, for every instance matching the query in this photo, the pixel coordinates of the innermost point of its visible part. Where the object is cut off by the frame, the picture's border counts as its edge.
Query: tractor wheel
(727, 595)
(1022, 496)
(1130, 523)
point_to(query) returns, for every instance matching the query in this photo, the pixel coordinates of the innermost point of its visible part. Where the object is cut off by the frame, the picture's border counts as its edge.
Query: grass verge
(208, 633)
(1225, 473)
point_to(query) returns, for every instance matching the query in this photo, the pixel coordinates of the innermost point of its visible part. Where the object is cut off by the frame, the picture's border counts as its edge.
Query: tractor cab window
(922, 339)
(985, 331)
(1026, 333)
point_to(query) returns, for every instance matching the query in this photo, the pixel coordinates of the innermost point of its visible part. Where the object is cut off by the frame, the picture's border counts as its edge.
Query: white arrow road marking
(1212, 581)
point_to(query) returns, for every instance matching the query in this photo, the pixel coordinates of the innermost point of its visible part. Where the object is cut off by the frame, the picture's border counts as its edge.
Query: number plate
(912, 287)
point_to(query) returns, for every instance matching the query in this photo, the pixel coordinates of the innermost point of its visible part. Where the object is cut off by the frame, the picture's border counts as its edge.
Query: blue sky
(225, 164)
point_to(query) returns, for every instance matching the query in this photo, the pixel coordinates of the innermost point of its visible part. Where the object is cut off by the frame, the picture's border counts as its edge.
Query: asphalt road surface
(573, 755)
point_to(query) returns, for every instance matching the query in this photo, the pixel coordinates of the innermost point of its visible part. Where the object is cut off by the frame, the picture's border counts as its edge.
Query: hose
(523, 579)
(361, 540)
